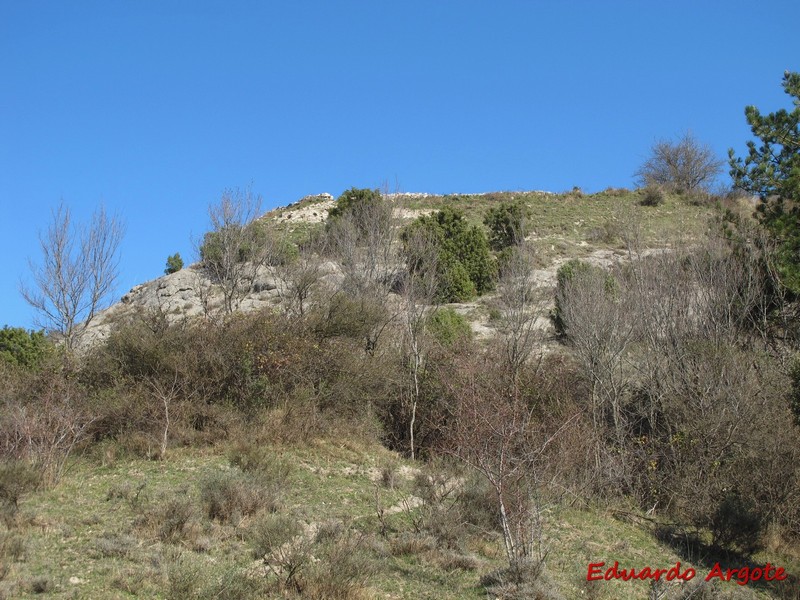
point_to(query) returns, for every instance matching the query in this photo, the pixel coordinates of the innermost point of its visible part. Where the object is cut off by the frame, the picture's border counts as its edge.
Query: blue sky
(155, 107)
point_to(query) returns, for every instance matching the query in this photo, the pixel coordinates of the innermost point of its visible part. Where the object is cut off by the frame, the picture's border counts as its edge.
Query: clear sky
(155, 107)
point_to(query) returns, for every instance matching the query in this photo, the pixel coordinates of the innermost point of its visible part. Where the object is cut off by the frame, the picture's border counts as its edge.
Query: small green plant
(174, 264)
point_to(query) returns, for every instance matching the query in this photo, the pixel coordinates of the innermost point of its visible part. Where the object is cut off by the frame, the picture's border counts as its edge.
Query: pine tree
(772, 171)
(174, 264)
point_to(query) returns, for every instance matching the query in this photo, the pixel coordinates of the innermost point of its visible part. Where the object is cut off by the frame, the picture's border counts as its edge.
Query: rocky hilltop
(192, 293)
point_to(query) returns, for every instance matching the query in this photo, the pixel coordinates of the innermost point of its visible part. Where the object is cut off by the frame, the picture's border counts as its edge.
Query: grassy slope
(82, 544)
(566, 225)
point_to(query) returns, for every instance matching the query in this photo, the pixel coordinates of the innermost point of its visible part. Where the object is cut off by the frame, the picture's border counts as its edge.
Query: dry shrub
(616, 192)
(41, 584)
(342, 569)
(229, 497)
(524, 582)
(736, 523)
(412, 544)
(171, 518)
(136, 496)
(45, 422)
(12, 548)
(608, 233)
(478, 505)
(455, 561)
(440, 513)
(653, 195)
(114, 546)
(155, 384)
(261, 461)
(388, 475)
(17, 478)
(333, 562)
(280, 541)
(186, 577)
(271, 532)
(138, 444)
(183, 577)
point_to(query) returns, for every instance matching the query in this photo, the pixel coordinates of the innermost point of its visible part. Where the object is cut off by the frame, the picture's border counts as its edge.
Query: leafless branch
(77, 275)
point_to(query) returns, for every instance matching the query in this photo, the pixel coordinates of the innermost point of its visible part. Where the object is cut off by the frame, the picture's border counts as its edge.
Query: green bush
(506, 224)
(449, 327)
(174, 264)
(464, 264)
(771, 169)
(737, 524)
(455, 284)
(250, 240)
(472, 248)
(23, 348)
(564, 275)
(568, 272)
(354, 201)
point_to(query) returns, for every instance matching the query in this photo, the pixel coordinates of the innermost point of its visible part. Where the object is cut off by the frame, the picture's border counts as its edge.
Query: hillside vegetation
(419, 396)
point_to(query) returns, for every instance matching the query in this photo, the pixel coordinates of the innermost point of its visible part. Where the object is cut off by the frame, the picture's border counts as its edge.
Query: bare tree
(522, 302)
(235, 248)
(599, 327)
(296, 277)
(417, 304)
(495, 433)
(78, 273)
(362, 239)
(684, 166)
(165, 390)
